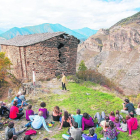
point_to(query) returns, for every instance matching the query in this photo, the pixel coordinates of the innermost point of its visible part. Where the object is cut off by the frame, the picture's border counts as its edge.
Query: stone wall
(49, 58)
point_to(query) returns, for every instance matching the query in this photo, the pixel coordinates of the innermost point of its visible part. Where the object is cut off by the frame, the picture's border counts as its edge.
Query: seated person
(4, 111)
(14, 112)
(44, 110)
(56, 114)
(123, 126)
(127, 118)
(22, 97)
(37, 121)
(112, 116)
(116, 122)
(132, 124)
(19, 101)
(75, 132)
(10, 136)
(10, 128)
(138, 110)
(87, 122)
(91, 136)
(66, 120)
(118, 115)
(29, 112)
(28, 137)
(110, 132)
(70, 138)
(99, 118)
(128, 107)
(78, 118)
(105, 122)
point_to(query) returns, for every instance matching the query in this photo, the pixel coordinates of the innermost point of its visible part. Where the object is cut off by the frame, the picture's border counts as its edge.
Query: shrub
(82, 66)
(96, 77)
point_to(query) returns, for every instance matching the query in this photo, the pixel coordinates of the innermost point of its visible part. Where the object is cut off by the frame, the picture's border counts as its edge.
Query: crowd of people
(112, 124)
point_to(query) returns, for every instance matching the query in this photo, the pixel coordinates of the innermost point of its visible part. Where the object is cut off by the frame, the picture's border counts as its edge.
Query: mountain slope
(115, 53)
(132, 19)
(1, 31)
(86, 31)
(43, 28)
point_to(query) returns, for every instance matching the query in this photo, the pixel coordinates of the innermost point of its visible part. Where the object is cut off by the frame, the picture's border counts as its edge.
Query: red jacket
(13, 112)
(132, 124)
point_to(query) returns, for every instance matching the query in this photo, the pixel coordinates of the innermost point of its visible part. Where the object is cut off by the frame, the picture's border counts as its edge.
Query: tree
(5, 64)
(82, 66)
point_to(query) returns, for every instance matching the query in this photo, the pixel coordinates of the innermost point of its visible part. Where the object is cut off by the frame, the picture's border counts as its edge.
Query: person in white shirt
(37, 121)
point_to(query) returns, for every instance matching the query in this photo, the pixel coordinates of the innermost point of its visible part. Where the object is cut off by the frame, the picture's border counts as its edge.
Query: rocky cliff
(115, 52)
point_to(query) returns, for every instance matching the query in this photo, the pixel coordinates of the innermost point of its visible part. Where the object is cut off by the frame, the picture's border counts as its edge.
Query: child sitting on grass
(44, 110)
(90, 136)
(105, 122)
(123, 126)
(116, 122)
(110, 132)
(118, 115)
(112, 116)
(29, 112)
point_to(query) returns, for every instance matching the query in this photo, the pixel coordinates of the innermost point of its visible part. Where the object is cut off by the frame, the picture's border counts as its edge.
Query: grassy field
(95, 101)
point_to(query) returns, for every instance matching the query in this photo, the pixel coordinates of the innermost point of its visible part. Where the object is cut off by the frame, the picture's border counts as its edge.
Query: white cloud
(73, 14)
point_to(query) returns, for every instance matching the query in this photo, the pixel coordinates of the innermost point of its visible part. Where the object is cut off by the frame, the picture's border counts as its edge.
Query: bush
(82, 66)
(96, 77)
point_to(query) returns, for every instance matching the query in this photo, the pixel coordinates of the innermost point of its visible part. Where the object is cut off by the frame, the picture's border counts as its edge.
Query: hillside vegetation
(128, 20)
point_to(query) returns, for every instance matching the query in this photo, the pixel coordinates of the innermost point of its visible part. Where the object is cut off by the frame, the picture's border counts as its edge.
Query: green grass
(96, 101)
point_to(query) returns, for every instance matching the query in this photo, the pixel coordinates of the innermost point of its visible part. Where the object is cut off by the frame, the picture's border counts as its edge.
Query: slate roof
(25, 40)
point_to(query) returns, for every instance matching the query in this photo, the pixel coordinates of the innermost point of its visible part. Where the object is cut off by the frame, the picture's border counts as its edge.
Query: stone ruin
(49, 54)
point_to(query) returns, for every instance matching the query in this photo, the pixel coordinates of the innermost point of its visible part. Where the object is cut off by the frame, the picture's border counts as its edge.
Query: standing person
(132, 123)
(128, 107)
(75, 132)
(29, 112)
(44, 110)
(14, 112)
(87, 121)
(34, 77)
(10, 128)
(63, 81)
(78, 118)
(37, 121)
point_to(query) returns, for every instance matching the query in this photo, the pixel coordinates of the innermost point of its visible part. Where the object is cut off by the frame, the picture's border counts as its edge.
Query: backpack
(30, 132)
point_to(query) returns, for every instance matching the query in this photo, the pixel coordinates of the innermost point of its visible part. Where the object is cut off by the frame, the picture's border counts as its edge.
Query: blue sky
(73, 14)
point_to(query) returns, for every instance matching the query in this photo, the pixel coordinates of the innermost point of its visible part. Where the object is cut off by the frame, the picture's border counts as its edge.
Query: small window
(28, 63)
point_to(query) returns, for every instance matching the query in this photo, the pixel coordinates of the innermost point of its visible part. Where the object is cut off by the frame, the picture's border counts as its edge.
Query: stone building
(49, 54)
